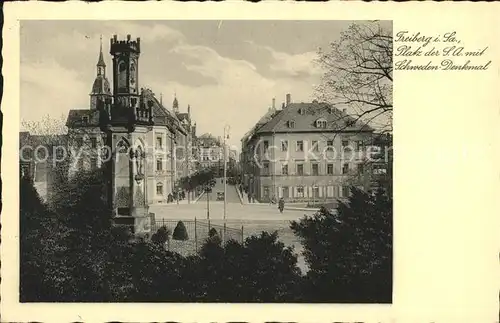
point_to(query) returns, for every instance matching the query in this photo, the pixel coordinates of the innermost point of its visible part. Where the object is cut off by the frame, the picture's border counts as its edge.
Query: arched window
(159, 189)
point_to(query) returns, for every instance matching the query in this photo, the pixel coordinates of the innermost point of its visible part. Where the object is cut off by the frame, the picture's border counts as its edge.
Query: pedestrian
(249, 198)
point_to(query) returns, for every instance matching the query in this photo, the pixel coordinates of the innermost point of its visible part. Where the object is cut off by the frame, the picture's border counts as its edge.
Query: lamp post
(226, 136)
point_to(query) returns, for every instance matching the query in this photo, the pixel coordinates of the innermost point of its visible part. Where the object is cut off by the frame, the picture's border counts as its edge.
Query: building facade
(85, 140)
(304, 152)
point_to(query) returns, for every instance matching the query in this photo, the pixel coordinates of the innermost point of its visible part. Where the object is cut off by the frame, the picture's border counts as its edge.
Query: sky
(227, 71)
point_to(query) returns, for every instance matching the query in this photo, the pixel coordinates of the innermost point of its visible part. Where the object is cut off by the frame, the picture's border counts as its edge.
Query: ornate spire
(100, 62)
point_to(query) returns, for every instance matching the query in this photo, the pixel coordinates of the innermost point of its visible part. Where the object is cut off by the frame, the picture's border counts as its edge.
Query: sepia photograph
(206, 161)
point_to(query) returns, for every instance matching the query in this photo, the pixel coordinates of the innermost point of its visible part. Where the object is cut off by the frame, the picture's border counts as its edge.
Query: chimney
(128, 37)
(288, 99)
(274, 104)
(189, 110)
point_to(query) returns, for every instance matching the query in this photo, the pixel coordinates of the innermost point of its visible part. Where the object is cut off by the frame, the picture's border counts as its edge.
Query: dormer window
(321, 123)
(302, 111)
(330, 110)
(291, 124)
(85, 119)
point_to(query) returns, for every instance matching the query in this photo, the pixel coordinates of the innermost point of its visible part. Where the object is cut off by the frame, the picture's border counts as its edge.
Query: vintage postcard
(208, 162)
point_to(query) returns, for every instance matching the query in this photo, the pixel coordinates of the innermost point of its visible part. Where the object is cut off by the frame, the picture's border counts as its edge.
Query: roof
(162, 116)
(262, 121)
(82, 118)
(305, 115)
(101, 85)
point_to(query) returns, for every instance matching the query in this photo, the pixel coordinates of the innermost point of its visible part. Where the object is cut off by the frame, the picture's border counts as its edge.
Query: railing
(197, 231)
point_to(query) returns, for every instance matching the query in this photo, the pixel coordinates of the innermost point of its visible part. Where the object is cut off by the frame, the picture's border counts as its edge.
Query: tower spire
(101, 66)
(175, 104)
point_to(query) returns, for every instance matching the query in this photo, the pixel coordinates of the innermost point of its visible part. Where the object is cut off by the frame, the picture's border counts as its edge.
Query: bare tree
(358, 74)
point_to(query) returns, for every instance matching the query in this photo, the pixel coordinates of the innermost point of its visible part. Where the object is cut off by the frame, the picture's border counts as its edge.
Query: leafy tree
(349, 253)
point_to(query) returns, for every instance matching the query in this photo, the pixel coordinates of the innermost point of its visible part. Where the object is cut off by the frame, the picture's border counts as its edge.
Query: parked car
(220, 196)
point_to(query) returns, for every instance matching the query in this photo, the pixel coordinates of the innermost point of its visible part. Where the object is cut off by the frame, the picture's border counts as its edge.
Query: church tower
(126, 120)
(100, 89)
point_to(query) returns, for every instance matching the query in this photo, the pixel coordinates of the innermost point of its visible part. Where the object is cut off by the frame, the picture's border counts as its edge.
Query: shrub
(212, 233)
(161, 236)
(180, 232)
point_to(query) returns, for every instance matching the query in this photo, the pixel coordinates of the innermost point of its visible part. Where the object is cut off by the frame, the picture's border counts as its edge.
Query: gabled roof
(304, 116)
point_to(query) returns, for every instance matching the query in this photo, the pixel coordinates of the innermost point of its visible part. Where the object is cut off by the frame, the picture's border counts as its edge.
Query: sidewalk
(244, 200)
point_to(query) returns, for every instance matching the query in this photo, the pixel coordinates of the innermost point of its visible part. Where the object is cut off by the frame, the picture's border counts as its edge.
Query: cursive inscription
(415, 51)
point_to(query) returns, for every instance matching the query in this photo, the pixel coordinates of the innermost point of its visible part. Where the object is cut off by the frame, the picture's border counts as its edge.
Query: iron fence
(197, 233)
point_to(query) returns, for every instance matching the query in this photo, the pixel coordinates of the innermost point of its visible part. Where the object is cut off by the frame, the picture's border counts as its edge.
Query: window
(85, 119)
(284, 169)
(300, 192)
(361, 168)
(159, 143)
(345, 143)
(329, 169)
(345, 168)
(291, 124)
(93, 142)
(315, 169)
(265, 168)
(315, 191)
(266, 191)
(346, 191)
(315, 146)
(300, 145)
(159, 189)
(301, 111)
(266, 145)
(93, 163)
(284, 145)
(329, 145)
(300, 169)
(321, 123)
(159, 164)
(359, 145)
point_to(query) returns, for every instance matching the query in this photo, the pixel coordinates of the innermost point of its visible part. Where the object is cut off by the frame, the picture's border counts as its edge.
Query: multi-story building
(85, 141)
(210, 151)
(304, 152)
(186, 152)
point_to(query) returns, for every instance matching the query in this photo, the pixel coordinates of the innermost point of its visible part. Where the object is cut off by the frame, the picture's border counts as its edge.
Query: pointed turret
(100, 88)
(175, 104)
(101, 66)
